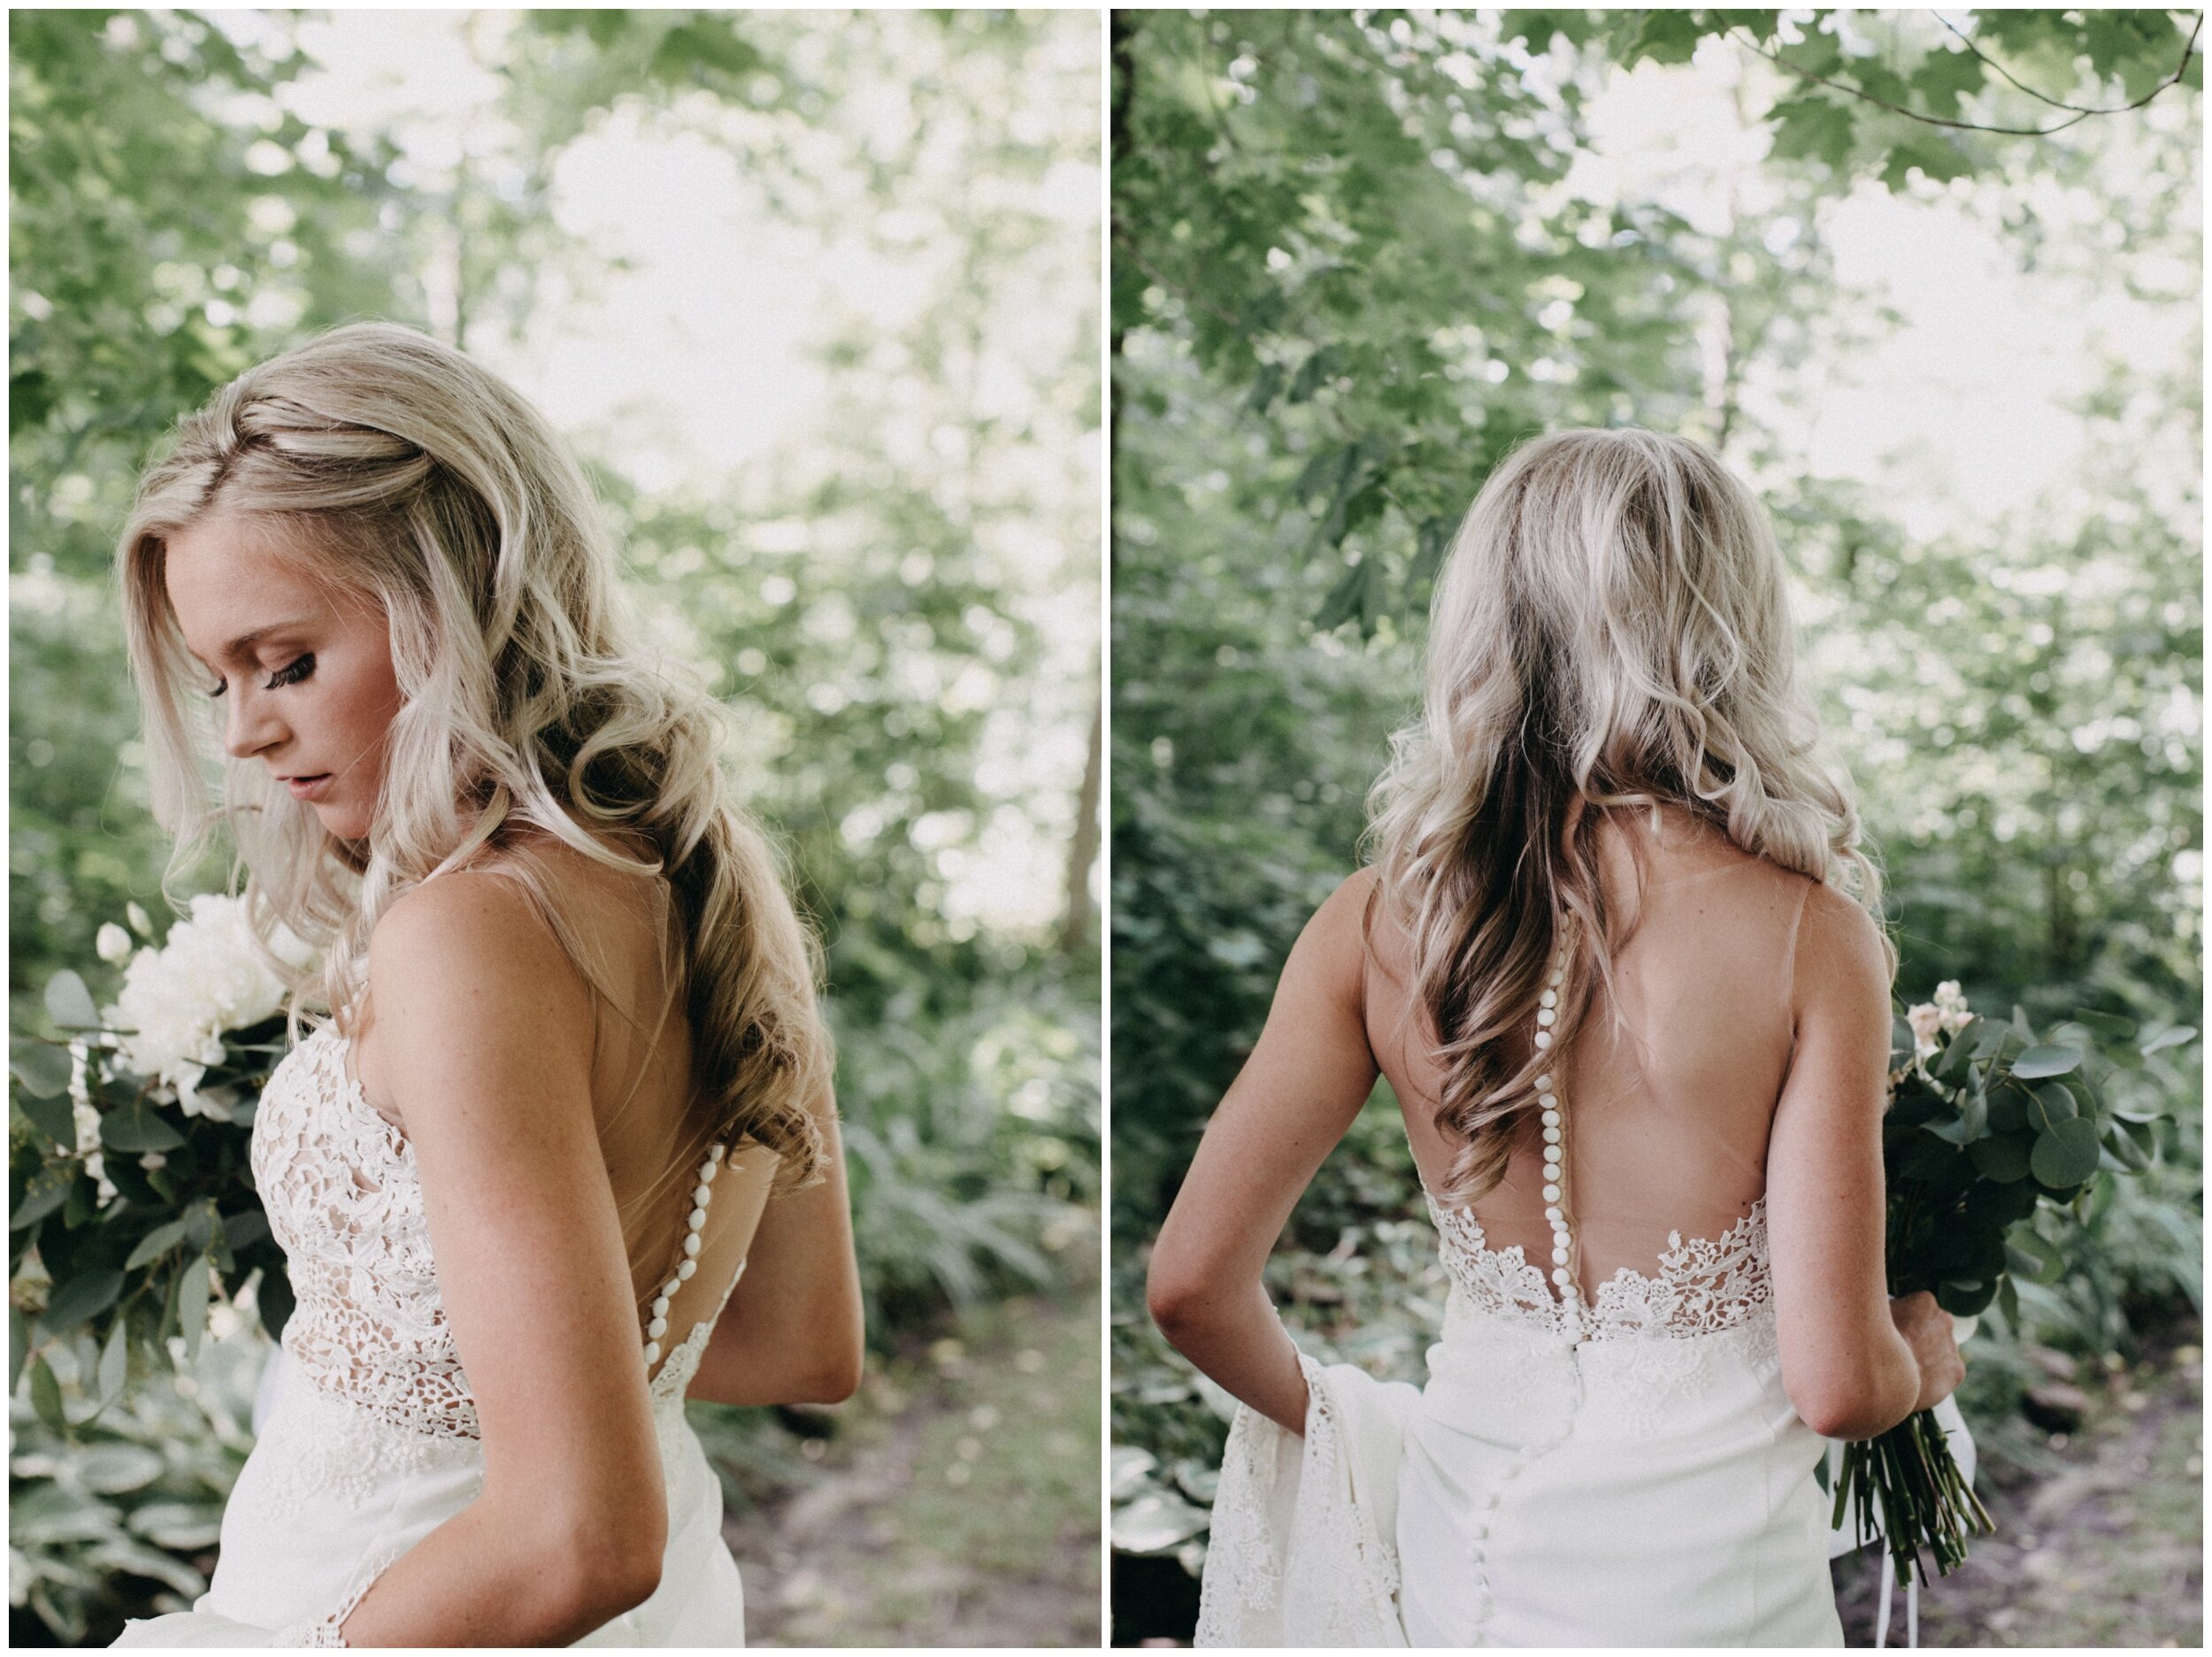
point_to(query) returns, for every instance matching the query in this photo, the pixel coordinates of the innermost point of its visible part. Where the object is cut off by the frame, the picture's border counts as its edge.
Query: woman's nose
(251, 726)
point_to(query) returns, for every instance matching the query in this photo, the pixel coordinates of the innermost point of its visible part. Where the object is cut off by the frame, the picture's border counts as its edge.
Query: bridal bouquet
(134, 1186)
(1987, 1122)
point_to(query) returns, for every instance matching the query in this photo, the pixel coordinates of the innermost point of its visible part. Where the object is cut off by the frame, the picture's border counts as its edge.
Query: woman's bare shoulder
(1839, 950)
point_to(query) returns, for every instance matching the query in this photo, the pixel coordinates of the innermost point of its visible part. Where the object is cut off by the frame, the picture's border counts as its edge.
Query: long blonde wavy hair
(1612, 622)
(404, 473)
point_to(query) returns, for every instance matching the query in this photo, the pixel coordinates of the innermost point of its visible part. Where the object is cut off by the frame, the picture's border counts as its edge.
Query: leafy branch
(2080, 114)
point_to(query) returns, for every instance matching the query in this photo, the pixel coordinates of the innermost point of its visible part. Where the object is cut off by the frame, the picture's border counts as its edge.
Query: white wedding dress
(1604, 1453)
(371, 1442)
(1641, 1479)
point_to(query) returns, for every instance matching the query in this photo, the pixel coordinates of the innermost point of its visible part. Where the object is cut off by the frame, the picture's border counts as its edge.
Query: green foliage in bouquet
(136, 1213)
(1987, 1122)
(1987, 1126)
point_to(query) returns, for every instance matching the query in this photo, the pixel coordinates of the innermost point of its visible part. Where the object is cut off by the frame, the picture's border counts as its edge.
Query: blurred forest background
(815, 297)
(1933, 285)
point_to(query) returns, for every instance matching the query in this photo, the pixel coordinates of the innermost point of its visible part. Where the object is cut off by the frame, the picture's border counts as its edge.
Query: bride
(1621, 962)
(522, 1175)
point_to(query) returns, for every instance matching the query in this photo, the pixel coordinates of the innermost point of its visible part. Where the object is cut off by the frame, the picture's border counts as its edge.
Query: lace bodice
(345, 1202)
(1703, 1286)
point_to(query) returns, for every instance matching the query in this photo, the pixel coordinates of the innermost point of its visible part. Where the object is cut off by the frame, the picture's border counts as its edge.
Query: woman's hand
(1306, 1079)
(1929, 1331)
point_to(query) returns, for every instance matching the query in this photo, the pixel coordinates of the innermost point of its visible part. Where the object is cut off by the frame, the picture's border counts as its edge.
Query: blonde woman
(1621, 961)
(522, 1170)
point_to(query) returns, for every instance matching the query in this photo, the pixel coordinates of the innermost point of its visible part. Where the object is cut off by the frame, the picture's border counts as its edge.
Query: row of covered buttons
(1555, 1135)
(1562, 1274)
(699, 1195)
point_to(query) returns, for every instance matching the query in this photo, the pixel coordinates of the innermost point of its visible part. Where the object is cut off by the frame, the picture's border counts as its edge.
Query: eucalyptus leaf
(56, 1118)
(115, 1362)
(42, 1067)
(2008, 1109)
(2122, 1146)
(2105, 1023)
(46, 1397)
(18, 1344)
(2034, 1256)
(2040, 1061)
(1966, 1300)
(2065, 1153)
(137, 1128)
(192, 1304)
(162, 1239)
(1954, 1129)
(85, 1295)
(69, 1004)
(2172, 1038)
(47, 1190)
(2054, 1103)
(2000, 1158)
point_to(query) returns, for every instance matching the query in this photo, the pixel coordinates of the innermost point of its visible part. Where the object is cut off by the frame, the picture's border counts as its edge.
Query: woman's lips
(307, 788)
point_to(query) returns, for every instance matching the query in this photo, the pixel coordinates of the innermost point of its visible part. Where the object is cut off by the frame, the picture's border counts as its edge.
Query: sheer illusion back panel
(1666, 1116)
(643, 1094)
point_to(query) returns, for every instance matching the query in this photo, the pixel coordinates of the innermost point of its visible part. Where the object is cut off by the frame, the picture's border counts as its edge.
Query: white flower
(139, 919)
(1951, 1004)
(152, 1159)
(113, 945)
(1925, 1020)
(87, 1118)
(178, 1002)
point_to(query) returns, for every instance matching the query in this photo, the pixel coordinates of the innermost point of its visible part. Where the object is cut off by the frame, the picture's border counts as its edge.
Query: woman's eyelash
(283, 676)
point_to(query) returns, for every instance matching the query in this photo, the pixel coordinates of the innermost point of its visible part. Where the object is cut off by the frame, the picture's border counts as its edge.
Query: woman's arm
(484, 1035)
(1299, 1090)
(1845, 1365)
(791, 1333)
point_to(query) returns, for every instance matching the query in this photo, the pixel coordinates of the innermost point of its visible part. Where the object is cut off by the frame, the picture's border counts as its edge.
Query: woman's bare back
(641, 1087)
(1666, 1120)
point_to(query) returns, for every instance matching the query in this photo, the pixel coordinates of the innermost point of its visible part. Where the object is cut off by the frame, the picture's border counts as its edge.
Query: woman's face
(304, 679)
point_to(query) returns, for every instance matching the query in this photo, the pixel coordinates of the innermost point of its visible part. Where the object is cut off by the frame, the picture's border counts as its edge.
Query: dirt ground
(958, 1502)
(2110, 1552)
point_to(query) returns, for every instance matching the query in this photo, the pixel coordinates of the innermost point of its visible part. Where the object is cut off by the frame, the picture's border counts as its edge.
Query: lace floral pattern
(345, 1203)
(1331, 1579)
(1703, 1287)
(326, 1450)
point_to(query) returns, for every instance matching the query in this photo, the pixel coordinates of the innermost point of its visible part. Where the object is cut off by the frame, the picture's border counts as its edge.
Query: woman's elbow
(1176, 1297)
(615, 1571)
(1841, 1415)
(837, 1378)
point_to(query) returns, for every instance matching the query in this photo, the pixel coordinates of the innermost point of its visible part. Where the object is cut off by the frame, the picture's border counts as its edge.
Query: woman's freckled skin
(226, 577)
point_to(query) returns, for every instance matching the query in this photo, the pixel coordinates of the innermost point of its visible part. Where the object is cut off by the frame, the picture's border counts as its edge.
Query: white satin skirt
(333, 1494)
(1537, 1492)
